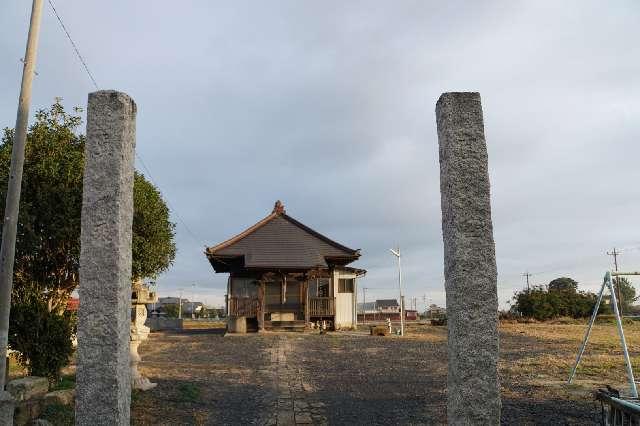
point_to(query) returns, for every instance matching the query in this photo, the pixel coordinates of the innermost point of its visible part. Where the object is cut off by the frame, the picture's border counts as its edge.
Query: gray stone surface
(103, 374)
(473, 392)
(28, 387)
(61, 397)
(7, 406)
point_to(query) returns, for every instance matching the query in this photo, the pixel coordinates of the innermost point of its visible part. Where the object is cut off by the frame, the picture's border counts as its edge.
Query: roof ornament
(278, 208)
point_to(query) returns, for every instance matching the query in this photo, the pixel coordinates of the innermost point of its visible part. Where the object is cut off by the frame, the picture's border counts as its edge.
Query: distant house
(187, 307)
(283, 274)
(388, 305)
(436, 311)
(383, 309)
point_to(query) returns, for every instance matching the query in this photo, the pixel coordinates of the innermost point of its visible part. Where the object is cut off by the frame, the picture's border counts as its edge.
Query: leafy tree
(48, 241)
(627, 293)
(171, 310)
(41, 337)
(560, 298)
(563, 284)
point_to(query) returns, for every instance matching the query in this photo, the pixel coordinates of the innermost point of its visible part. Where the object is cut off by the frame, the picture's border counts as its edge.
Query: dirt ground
(351, 378)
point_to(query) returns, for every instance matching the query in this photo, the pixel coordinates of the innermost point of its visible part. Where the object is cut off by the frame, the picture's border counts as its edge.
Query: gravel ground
(206, 378)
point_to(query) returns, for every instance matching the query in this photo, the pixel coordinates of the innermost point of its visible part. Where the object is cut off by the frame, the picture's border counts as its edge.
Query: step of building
(285, 325)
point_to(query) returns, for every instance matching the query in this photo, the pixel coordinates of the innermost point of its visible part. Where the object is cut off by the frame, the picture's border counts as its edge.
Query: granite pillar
(103, 374)
(473, 391)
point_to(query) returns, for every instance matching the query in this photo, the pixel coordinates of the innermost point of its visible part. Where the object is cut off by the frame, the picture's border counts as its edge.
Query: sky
(329, 107)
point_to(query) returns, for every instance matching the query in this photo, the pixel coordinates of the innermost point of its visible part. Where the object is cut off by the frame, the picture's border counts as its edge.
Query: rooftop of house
(387, 303)
(279, 241)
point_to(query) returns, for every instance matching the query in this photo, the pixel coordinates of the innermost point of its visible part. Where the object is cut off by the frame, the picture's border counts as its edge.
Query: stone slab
(62, 397)
(103, 373)
(473, 392)
(28, 387)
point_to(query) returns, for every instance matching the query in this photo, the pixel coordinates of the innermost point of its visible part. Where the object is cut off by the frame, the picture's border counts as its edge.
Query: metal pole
(401, 297)
(588, 332)
(623, 342)
(9, 227)
(180, 305)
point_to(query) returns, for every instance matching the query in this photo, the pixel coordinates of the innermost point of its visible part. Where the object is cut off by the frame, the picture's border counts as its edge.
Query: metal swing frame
(608, 282)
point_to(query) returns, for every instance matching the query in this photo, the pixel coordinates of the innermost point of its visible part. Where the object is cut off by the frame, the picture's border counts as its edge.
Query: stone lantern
(140, 297)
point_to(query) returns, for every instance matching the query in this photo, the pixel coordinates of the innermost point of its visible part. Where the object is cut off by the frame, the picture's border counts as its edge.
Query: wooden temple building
(285, 275)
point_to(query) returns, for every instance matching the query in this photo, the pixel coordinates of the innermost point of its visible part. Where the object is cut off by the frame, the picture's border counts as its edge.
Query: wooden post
(261, 297)
(306, 303)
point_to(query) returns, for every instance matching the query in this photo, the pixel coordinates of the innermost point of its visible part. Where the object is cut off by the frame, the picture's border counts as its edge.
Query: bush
(42, 338)
(544, 304)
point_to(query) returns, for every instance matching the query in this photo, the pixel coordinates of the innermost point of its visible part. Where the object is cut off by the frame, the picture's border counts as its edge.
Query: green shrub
(42, 338)
(561, 299)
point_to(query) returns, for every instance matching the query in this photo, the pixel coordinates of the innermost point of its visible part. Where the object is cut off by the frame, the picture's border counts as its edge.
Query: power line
(84, 64)
(153, 181)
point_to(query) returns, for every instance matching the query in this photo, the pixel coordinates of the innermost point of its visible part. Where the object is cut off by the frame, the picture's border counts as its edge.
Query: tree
(48, 242)
(41, 337)
(560, 298)
(627, 292)
(563, 284)
(171, 310)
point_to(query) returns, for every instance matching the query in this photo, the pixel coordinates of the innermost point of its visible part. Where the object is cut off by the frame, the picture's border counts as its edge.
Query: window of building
(345, 285)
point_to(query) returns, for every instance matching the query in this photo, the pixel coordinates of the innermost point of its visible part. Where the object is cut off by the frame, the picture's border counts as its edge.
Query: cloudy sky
(329, 106)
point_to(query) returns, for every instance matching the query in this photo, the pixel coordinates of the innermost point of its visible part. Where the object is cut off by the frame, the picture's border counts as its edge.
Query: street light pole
(193, 295)
(397, 254)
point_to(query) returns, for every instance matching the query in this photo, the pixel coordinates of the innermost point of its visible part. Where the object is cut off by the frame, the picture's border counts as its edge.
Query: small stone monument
(473, 391)
(140, 296)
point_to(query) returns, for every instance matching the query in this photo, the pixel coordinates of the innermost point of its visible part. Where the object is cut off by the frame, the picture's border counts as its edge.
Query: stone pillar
(473, 391)
(103, 375)
(7, 407)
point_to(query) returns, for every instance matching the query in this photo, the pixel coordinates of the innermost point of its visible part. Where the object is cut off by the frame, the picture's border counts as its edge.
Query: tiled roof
(280, 241)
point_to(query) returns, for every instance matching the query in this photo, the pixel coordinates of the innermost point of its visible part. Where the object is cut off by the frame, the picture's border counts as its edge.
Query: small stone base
(237, 325)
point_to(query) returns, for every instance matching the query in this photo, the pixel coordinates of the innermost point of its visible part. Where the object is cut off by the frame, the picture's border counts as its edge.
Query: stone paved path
(335, 379)
(295, 404)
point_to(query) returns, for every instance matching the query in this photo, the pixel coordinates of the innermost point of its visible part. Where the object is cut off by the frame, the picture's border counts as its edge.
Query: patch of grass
(188, 392)
(58, 414)
(65, 382)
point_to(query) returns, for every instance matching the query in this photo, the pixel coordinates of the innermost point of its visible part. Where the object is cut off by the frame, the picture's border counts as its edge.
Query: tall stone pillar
(103, 375)
(473, 391)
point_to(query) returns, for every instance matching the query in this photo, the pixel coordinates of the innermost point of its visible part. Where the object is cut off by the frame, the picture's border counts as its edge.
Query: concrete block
(160, 323)
(237, 325)
(103, 373)
(473, 391)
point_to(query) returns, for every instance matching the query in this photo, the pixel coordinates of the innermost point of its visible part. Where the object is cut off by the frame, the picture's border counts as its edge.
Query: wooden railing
(321, 306)
(243, 306)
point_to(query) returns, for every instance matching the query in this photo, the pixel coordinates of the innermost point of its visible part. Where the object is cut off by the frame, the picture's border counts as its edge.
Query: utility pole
(397, 254)
(180, 305)
(12, 204)
(615, 253)
(364, 305)
(527, 274)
